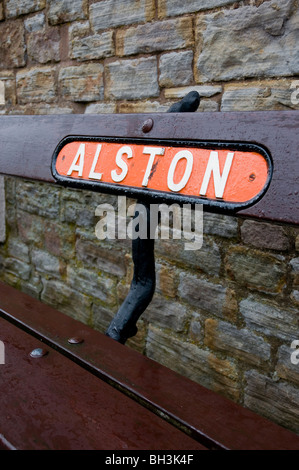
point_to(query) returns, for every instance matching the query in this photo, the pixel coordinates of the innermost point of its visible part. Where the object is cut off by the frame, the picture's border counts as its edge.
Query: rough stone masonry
(225, 315)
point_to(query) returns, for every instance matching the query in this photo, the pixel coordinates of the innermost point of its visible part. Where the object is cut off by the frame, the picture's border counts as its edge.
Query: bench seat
(99, 394)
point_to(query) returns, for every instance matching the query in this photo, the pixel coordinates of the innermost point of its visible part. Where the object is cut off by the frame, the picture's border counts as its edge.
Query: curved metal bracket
(123, 325)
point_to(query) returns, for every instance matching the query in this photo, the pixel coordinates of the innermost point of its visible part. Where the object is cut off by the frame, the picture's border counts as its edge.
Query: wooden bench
(87, 391)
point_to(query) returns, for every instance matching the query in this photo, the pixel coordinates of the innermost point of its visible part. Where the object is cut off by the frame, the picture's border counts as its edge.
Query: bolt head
(75, 340)
(38, 352)
(147, 125)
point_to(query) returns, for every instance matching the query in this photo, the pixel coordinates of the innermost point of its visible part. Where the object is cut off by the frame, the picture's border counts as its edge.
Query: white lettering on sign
(79, 156)
(170, 177)
(152, 152)
(219, 180)
(126, 150)
(93, 174)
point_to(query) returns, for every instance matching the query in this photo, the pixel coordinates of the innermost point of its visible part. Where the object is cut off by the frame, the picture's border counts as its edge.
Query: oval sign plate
(228, 175)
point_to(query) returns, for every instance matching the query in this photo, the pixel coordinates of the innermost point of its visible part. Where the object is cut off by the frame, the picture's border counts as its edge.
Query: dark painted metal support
(123, 325)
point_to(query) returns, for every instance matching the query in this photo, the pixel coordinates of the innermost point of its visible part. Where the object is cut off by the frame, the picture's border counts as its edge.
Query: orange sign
(230, 174)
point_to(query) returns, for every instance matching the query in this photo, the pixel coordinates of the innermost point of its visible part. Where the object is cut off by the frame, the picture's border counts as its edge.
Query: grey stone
(101, 317)
(110, 260)
(157, 36)
(18, 268)
(205, 91)
(132, 79)
(63, 11)
(274, 400)
(270, 96)
(295, 296)
(90, 283)
(256, 270)
(66, 300)
(35, 23)
(237, 343)
(36, 85)
(225, 53)
(17, 249)
(15, 8)
(82, 83)
(269, 319)
(101, 108)
(189, 360)
(166, 314)
(203, 294)
(176, 68)
(284, 368)
(222, 225)
(38, 198)
(110, 13)
(87, 46)
(206, 259)
(177, 7)
(45, 262)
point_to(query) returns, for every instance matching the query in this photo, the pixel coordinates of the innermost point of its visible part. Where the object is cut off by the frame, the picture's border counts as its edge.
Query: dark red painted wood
(53, 403)
(27, 144)
(212, 419)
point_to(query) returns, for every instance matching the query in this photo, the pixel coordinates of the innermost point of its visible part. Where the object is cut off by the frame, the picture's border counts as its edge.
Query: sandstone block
(110, 13)
(36, 84)
(225, 53)
(153, 37)
(82, 83)
(132, 79)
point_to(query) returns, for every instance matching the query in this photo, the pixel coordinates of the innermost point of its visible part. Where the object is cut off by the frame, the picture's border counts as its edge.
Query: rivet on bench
(75, 340)
(38, 352)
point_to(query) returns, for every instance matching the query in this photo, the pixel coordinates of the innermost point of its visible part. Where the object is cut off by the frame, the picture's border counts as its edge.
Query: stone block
(207, 259)
(14, 8)
(205, 295)
(197, 364)
(276, 401)
(258, 97)
(285, 369)
(63, 11)
(176, 69)
(131, 79)
(66, 300)
(155, 37)
(36, 85)
(269, 319)
(237, 343)
(46, 263)
(264, 235)
(90, 283)
(166, 314)
(38, 198)
(84, 45)
(177, 7)
(44, 46)
(225, 53)
(13, 47)
(205, 91)
(82, 83)
(221, 225)
(111, 261)
(256, 270)
(110, 13)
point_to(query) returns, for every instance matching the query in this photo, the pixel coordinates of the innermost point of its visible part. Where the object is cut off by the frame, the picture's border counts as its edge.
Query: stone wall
(225, 315)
